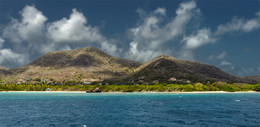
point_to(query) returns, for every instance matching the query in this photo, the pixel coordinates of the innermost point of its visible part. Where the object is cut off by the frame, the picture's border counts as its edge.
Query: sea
(46, 109)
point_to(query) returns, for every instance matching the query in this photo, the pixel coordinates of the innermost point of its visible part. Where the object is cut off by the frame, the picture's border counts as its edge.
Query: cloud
(247, 71)
(240, 25)
(1, 42)
(202, 37)
(30, 28)
(149, 36)
(9, 58)
(225, 63)
(160, 11)
(72, 30)
(185, 54)
(194, 41)
(29, 33)
(220, 56)
(143, 54)
(186, 7)
(154, 34)
(206, 36)
(110, 48)
(34, 30)
(32, 35)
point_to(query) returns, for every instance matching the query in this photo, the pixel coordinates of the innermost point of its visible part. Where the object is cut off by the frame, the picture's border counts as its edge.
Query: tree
(1, 81)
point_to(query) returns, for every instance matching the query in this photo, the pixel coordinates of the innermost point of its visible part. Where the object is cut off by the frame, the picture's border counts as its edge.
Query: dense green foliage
(67, 86)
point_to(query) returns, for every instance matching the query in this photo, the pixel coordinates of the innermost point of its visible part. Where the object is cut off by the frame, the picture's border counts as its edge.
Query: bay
(25, 109)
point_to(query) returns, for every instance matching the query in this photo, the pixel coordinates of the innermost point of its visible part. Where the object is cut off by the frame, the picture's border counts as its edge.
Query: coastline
(174, 92)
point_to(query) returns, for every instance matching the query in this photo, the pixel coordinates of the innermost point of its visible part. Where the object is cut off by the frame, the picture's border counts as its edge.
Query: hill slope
(92, 64)
(164, 68)
(85, 63)
(82, 57)
(255, 78)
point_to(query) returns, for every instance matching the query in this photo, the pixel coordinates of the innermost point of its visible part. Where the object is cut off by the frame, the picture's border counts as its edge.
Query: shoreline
(174, 92)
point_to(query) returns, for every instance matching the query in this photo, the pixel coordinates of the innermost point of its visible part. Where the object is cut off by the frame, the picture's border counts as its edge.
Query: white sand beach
(174, 92)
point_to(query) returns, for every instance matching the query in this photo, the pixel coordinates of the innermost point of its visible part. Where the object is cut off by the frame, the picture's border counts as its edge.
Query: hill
(165, 69)
(82, 57)
(2, 68)
(91, 64)
(255, 78)
(3, 71)
(87, 63)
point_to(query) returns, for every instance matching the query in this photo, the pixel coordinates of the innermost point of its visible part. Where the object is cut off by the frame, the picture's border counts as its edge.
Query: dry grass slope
(163, 67)
(92, 64)
(85, 63)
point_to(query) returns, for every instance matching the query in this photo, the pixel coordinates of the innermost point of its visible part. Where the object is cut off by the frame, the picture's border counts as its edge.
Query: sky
(224, 33)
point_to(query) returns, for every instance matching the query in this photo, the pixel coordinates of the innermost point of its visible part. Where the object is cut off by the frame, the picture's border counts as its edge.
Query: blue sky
(224, 33)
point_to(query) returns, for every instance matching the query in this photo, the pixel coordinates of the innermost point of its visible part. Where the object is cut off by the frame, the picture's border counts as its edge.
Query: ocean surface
(31, 109)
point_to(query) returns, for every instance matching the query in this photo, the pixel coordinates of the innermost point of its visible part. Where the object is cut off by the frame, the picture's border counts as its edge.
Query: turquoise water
(128, 110)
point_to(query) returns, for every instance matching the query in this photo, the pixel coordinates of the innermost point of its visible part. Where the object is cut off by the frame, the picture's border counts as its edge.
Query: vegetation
(78, 64)
(77, 86)
(91, 64)
(164, 67)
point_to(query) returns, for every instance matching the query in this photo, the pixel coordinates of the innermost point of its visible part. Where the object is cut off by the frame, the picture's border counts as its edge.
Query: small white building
(172, 79)
(86, 82)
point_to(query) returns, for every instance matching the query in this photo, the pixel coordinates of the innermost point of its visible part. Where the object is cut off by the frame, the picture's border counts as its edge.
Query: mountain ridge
(90, 63)
(164, 68)
(87, 63)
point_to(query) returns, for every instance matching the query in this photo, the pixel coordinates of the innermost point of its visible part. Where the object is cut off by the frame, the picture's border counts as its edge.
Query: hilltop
(165, 69)
(87, 63)
(93, 65)
(83, 57)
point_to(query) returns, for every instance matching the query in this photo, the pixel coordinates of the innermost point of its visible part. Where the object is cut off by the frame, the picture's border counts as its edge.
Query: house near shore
(172, 79)
(20, 81)
(89, 81)
(85, 82)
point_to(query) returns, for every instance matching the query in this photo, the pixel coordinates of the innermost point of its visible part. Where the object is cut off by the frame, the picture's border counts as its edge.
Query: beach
(174, 92)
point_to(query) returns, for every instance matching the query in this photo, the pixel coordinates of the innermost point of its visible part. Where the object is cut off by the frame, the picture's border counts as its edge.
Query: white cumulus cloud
(33, 35)
(10, 58)
(143, 54)
(74, 29)
(193, 41)
(30, 28)
(149, 36)
(240, 24)
(110, 48)
(202, 37)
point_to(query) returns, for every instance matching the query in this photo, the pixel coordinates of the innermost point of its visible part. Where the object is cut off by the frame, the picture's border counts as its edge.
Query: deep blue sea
(30, 109)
